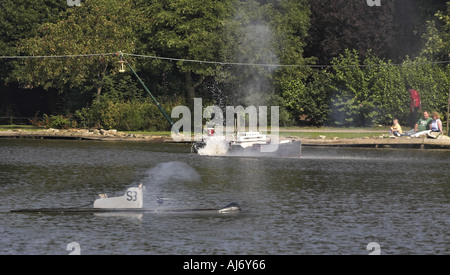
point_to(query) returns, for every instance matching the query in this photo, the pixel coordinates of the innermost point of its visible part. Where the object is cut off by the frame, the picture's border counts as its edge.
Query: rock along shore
(83, 134)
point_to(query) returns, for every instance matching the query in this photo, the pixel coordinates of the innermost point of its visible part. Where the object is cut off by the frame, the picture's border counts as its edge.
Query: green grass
(311, 133)
(162, 133)
(15, 127)
(298, 132)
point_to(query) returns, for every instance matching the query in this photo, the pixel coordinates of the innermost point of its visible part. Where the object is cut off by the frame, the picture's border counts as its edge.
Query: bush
(376, 92)
(131, 115)
(58, 122)
(308, 98)
(360, 92)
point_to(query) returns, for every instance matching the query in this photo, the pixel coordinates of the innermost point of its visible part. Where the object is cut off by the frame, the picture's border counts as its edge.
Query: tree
(251, 39)
(410, 21)
(98, 26)
(369, 91)
(225, 31)
(265, 32)
(187, 29)
(392, 30)
(349, 24)
(21, 19)
(437, 36)
(309, 98)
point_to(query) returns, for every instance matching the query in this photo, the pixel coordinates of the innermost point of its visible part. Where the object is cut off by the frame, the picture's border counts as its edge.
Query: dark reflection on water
(331, 201)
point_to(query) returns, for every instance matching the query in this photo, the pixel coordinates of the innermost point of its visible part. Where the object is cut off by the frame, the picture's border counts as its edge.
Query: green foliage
(264, 32)
(229, 31)
(353, 91)
(285, 117)
(252, 31)
(21, 19)
(377, 92)
(122, 87)
(52, 121)
(124, 115)
(189, 29)
(58, 122)
(437, 39)
(432, 81)
(366, 91)
(308, 97)
(98, 26)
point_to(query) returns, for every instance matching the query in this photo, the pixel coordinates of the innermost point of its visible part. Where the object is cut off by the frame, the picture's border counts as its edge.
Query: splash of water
(214, 147)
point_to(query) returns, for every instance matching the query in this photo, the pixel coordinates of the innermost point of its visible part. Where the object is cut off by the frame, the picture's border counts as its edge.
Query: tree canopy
(368, 55)
(99, 26)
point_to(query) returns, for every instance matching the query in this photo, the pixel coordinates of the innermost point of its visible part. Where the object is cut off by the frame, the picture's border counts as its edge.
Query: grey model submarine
(131, 202)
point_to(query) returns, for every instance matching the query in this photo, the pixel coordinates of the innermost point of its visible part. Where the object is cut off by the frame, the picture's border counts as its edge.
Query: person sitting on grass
(422, 126)
(436, 123)
(424, 123)
(396, 129)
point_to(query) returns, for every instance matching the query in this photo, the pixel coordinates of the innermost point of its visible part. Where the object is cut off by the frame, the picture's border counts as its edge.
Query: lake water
(330, 201)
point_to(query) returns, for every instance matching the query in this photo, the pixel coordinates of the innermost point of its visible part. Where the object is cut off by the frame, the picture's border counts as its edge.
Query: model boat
(246, 144)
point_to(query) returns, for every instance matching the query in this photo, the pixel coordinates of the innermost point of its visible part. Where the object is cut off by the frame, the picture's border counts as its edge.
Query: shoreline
(82, 134)
(380, 141)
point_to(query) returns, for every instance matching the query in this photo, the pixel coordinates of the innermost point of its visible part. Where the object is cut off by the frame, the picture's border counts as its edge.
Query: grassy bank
(294, 132)
(297, 132)
(16, 127)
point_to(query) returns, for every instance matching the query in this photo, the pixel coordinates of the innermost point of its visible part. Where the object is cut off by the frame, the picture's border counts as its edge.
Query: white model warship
(246, 144)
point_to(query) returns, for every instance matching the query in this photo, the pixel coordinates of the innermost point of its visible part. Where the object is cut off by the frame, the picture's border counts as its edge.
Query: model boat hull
(230, 208)
(286, 149)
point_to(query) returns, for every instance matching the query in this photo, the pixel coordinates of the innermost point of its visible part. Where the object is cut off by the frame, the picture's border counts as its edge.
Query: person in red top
(416, 105)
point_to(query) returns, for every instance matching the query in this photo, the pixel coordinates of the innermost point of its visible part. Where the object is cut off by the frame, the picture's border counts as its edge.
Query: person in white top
(436, 124)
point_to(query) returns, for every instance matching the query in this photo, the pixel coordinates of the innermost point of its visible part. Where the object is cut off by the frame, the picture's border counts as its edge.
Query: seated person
(396, 129)
(436, 123)
(421, 127)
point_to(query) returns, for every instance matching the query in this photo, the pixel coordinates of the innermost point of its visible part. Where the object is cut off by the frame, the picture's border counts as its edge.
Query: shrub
(133, 115)
(58, 122)
(377, 92)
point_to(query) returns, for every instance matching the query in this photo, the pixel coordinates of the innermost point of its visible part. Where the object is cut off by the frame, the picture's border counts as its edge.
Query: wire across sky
(220, 63)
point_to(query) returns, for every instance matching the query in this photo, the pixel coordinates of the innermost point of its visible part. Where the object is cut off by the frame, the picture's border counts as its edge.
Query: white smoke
(165, 184)
(253, 43)
(174, 171)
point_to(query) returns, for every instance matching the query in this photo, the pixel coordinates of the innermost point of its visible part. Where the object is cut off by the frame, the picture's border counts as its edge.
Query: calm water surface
(331, 201)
